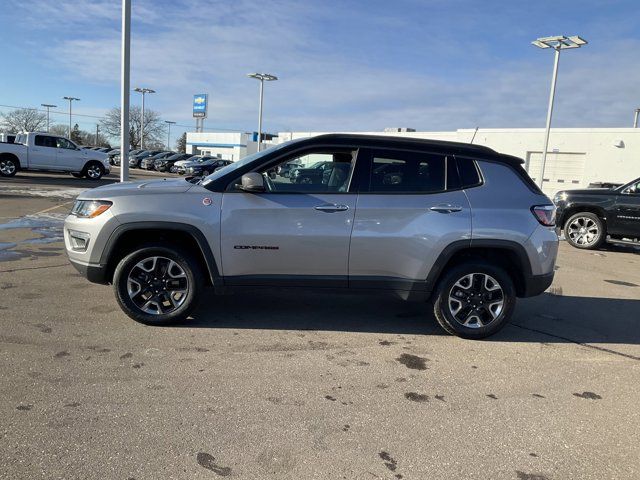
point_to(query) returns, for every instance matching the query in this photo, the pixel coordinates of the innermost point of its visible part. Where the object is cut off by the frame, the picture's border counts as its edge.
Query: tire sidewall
(186, 262)
(89, 165)
(601, 233)
(441, 303)
(15, 167)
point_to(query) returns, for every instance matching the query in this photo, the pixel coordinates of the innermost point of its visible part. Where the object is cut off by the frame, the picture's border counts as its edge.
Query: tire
(585, 230)
(474, 284)
(93, 171)
(8, 166)
(160, 309)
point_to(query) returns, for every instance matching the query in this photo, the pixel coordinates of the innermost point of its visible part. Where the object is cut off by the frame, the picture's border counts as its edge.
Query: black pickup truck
(593, 216)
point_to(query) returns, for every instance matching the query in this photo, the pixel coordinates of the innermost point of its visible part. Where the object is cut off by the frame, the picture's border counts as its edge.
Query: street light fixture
(143, 91)
(48, 106)
(263, 77)
(169, 123)
(71, 99)
(559, 42)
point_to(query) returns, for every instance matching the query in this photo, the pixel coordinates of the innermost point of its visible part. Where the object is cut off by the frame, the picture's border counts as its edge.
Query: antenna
(474, 135)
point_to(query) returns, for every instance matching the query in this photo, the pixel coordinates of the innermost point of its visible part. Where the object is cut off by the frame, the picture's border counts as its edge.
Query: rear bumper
(537, 284)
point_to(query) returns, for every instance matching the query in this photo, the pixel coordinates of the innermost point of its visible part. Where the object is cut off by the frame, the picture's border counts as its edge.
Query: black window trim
(474, 162)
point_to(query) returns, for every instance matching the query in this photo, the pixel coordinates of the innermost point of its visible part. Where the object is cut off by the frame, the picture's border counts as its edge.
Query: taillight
(545, 214)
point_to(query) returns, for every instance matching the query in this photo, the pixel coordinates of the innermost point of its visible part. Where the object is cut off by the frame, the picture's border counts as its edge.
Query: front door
(69, 157)
(293, 233)
(627, 211)
(410, 209)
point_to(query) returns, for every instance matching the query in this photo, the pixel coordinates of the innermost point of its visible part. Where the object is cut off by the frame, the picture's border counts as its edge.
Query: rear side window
(44, 141)
(407, 172)
(468, 171)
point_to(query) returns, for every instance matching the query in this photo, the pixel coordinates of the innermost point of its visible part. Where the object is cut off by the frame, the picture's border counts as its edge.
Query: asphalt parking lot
(287, 385)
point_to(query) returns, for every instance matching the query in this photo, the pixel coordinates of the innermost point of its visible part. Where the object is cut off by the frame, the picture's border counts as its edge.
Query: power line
(213, 129)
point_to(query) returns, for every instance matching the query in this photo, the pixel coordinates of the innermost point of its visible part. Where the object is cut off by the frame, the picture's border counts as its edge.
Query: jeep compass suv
(458, 225)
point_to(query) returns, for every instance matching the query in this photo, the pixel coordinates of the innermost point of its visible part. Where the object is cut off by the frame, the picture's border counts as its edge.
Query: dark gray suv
(458, 225)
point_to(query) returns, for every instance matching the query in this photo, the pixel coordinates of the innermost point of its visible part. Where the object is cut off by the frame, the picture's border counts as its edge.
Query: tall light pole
(262, 77)
(71, 99)
(124, 90)
(48, 106)
(635, 117)
(558, 43)
(143, 91)
(169, 123)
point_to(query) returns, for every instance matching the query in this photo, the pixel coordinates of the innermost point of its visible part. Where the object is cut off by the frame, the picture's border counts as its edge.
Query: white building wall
(228, 145)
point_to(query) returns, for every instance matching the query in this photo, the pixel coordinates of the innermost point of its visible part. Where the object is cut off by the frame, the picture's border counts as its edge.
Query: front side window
(64, 143)
(45, 141)
(319, 172)
(407, 173)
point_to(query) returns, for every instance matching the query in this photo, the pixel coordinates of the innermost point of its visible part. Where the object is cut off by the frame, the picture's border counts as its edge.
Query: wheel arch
(11, 156)
(509, 255)
(125, 238)
(573, 209)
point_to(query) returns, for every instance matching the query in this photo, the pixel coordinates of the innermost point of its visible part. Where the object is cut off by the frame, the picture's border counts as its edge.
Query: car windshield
(245, 161)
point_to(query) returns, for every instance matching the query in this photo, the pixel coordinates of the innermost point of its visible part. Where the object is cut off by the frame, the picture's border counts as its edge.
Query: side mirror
(252, 182)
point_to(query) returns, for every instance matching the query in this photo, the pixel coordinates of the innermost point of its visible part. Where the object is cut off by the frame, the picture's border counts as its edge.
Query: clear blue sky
(344, 65)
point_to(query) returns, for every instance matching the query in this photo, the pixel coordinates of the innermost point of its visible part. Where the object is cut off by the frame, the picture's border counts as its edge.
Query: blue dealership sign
(200, 105)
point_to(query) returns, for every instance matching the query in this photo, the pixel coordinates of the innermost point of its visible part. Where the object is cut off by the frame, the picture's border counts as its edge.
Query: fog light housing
(79, 240)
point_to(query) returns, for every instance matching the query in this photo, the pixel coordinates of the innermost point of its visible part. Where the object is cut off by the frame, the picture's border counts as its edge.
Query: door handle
(331, 207)
(446, 208)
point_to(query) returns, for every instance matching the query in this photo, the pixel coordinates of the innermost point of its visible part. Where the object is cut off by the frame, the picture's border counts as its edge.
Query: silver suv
(457, 224)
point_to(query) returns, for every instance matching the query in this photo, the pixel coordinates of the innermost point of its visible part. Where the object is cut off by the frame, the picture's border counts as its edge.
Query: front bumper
(93, 273)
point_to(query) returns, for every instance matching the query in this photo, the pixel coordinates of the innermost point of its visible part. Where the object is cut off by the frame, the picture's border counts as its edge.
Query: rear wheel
(157, 284)
(94, 171)
(585, 230)
(8, 167)
(474, 300)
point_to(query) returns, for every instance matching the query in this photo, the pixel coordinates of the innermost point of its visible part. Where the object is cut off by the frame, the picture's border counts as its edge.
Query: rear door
(43, 153)
(409, 210)
(292, 234)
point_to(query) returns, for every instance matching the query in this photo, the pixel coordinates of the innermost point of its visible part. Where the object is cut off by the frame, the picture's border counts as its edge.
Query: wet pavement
(288, 385)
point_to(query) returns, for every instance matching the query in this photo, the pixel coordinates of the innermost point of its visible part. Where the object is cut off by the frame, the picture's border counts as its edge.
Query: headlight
(560, 197)
(90, 208)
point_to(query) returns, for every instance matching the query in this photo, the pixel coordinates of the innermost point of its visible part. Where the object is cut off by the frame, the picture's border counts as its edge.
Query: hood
(155, 187)
(589, 191)
(185, 163)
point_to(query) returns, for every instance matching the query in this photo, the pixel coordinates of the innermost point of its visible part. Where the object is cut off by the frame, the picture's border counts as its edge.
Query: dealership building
(576, 157)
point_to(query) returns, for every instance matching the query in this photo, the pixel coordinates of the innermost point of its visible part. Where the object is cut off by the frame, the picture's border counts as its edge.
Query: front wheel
(585, 230)
(8, 167)
(474, 300)
(158, 285)
(94, 171)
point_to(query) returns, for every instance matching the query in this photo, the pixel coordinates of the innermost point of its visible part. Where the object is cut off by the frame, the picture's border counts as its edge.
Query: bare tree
(154, 127)
(23, 120)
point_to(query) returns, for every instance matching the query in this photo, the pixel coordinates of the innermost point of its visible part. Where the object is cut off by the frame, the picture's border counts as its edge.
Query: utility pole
(124, 90)
(635, 117)
(97, 133)
(169, 123)
(143, 91)
(48, 106)
(71, 99)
